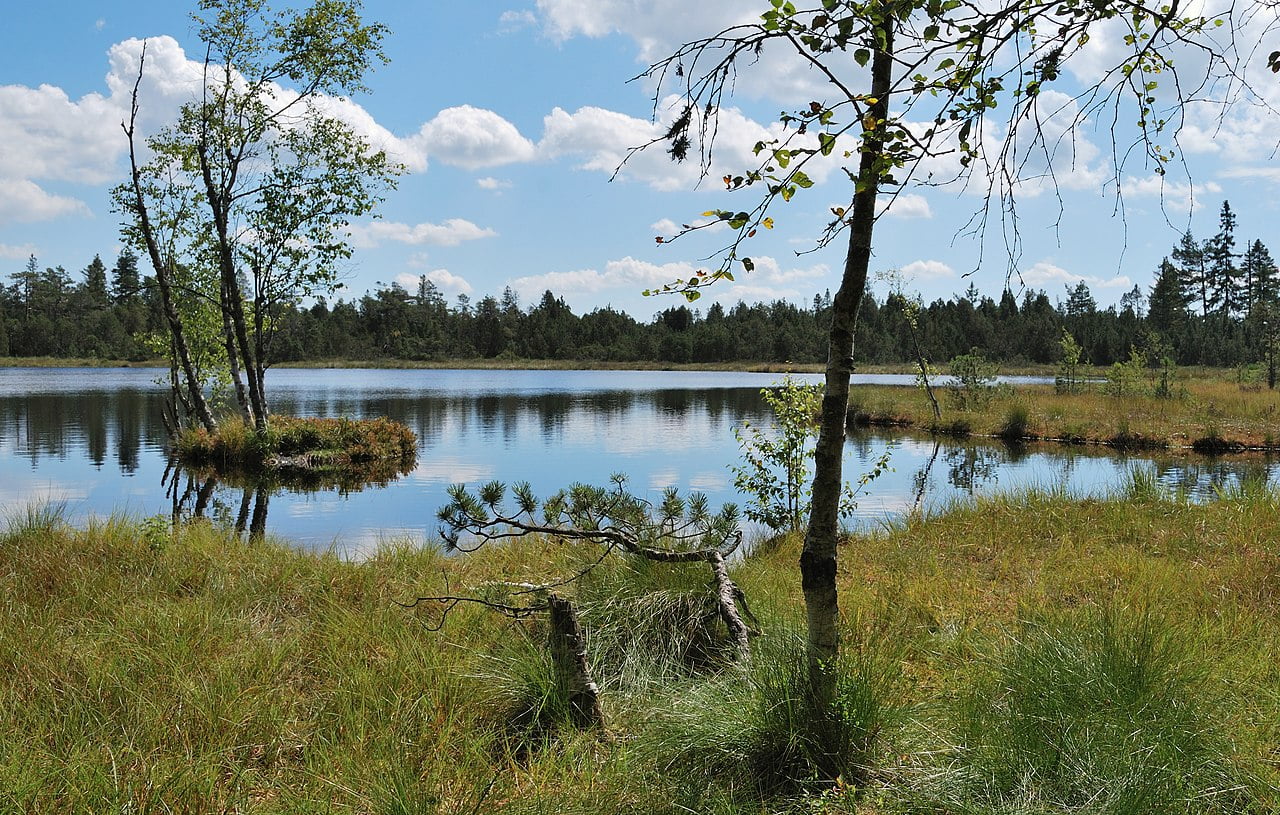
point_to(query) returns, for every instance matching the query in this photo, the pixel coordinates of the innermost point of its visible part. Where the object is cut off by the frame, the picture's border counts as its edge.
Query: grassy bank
(1207, 411)
(79, 362)
(1029, 654)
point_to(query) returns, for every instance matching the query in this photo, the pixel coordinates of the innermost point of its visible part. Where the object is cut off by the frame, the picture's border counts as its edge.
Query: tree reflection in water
(90, 439)
(194, 494)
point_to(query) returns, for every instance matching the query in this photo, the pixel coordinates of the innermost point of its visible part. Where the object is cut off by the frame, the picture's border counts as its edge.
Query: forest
(1214, 301)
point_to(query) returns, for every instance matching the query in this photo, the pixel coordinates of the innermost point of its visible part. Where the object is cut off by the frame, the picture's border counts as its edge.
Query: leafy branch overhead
(948, 66)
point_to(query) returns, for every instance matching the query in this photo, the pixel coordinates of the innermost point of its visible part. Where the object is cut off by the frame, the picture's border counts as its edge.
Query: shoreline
(481, 364)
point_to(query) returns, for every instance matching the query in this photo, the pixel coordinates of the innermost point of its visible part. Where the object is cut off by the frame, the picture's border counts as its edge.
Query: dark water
(92, 440)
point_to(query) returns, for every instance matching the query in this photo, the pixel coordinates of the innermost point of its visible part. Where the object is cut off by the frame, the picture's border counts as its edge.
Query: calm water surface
(93, 441)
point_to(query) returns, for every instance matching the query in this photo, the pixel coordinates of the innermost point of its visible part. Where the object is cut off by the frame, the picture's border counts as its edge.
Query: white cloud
(603, 139)
(493, 184)
(769, 281)
(656, 26)
(906, 205)
(511, 21)
(1045, 273)
(448, 281)
(627, 272)
(1253, 173)
(1173, 195)
(22, 252)
(472, 138)
(450, 233)
(99, 24)
(927, 270)
(444, 279)
(24, 201)
(49, 136)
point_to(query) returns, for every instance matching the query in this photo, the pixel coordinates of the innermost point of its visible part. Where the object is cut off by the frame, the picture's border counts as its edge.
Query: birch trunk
(818, 558)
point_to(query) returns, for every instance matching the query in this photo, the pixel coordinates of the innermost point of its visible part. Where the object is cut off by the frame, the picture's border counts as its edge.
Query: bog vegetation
(1028, 653)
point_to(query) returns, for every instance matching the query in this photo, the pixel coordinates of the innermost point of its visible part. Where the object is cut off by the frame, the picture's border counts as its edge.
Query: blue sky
(511, 117)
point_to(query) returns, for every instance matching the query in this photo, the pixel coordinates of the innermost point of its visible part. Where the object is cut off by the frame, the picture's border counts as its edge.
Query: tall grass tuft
(1142, 484)
(1017, 423)
(35, 520)
(528, 707)
(769, 730)
(649, 624)
(1251, 487)
(1098, 712)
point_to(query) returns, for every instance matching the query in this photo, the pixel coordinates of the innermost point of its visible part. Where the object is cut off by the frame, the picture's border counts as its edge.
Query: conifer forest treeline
(1214, 301)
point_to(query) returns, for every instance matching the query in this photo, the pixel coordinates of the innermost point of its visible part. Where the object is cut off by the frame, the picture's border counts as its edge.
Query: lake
(92, 441)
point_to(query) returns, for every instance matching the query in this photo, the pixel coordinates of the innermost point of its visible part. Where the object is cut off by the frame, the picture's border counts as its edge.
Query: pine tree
(1262, 333)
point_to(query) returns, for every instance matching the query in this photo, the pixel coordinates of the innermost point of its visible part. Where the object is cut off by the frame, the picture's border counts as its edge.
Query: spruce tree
(1193, 278)
(94, 289)
(1220, 258)
(124, 278)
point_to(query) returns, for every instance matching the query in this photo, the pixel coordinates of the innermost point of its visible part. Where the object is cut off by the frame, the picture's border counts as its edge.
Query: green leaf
(862, 56)
(930, 33)
(826, 143)
(801, 180)
(749, 264)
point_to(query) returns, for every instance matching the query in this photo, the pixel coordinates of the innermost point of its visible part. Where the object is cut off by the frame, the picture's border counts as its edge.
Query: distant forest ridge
(1210, 304)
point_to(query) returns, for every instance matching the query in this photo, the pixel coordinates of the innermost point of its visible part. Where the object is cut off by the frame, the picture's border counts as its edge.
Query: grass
(1211, 415)
(320, 452)
(79, 362)
(1028, 653)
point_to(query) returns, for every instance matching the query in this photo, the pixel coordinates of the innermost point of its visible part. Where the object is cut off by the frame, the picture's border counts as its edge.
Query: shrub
(776, 465)
(1125, 378)
(974, 380)
(1069, 379)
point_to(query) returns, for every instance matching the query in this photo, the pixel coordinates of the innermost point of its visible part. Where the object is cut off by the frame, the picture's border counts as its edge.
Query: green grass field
(1027, 654)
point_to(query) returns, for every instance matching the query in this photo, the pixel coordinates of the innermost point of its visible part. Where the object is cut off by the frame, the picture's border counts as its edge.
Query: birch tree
(267, 178)
(930, 92)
